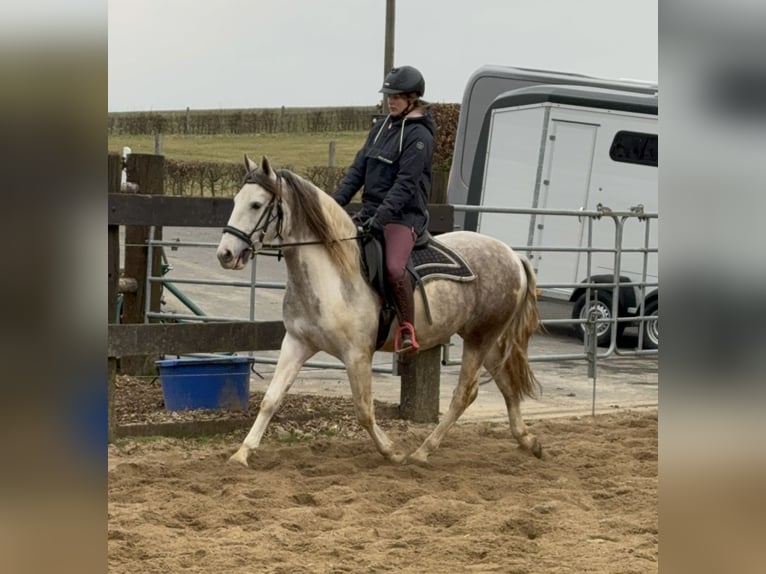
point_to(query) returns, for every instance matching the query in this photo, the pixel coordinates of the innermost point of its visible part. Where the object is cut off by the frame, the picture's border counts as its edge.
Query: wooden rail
(182, 338)
(162, 210)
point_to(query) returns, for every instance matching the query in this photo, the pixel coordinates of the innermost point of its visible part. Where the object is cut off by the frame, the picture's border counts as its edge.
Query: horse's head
(256, 218)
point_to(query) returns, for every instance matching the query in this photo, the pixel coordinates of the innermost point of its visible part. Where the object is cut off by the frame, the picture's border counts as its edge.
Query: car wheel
(651, 326)
(601, 304)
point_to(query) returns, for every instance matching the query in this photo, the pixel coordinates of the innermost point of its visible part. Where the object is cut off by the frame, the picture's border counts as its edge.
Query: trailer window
(634, 147)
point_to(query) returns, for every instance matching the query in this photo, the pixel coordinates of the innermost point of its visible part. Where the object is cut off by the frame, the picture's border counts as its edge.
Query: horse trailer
(569, 143)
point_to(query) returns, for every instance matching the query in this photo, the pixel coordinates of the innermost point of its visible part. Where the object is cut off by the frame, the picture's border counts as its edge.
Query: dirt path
(322, 500)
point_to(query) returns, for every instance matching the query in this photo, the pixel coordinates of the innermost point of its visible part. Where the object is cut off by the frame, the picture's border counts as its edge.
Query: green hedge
(445, 117)
(251, 121)
(202, 178)
(224, 179)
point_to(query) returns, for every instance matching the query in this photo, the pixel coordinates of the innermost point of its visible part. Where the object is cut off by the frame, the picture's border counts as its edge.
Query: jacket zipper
(401, 139)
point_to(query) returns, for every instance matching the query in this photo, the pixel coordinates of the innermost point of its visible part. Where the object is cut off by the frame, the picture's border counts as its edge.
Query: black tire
(651, 326)
(601, 301)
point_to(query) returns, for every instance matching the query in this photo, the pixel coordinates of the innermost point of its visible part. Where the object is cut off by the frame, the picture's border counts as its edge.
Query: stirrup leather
(405, 326)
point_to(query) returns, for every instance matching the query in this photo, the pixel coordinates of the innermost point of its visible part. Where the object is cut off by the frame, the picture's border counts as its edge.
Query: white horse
(329, 306)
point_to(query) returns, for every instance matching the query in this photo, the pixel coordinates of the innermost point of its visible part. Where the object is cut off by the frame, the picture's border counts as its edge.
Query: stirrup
(406, 326)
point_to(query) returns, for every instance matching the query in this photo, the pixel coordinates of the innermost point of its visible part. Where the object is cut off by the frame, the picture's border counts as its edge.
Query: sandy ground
(319, 498)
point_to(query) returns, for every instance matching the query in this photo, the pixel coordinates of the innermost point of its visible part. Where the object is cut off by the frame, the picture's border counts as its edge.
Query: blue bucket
(205, 383)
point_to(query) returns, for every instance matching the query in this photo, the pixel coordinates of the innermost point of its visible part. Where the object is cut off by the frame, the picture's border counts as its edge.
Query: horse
(329, 306)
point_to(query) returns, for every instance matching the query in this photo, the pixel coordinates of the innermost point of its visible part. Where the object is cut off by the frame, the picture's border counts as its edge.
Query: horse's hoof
(418, 458)
(537, 449)
(397, 458)
(240, 457)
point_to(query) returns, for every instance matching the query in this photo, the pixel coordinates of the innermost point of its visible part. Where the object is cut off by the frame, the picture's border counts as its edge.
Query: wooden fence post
(158, 143)
(148, 172)
(439, 180)
(330, 184)
(419, 393)
(420, 376)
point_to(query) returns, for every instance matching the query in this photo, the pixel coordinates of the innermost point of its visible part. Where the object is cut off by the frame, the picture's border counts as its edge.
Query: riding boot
(405, 341)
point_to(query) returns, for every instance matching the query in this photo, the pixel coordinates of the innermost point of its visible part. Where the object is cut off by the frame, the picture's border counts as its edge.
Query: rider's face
(397, 103)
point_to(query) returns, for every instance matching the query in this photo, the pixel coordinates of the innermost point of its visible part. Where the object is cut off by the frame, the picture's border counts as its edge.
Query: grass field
(295, 150)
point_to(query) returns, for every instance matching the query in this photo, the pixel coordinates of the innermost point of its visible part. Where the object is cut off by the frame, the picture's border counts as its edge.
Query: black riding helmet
(404, 80)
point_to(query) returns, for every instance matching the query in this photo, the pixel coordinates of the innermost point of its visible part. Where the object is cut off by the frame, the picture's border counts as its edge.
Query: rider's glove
(371, 225)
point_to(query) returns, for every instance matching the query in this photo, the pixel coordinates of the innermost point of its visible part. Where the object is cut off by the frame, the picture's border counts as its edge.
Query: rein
(278, 246)
(298, 243)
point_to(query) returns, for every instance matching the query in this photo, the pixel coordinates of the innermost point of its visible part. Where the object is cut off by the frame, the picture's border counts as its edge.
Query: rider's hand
(371, 225)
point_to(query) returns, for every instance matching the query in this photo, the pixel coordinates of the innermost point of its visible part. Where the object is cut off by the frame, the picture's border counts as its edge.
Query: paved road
(567, 390)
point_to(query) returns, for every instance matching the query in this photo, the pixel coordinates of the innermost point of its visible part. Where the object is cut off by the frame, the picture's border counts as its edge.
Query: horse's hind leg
(292, 355)
(359, 368)
(503, 375)
(464, 394)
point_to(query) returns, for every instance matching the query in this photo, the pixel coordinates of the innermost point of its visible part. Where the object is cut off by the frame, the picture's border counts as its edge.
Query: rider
(394, 166)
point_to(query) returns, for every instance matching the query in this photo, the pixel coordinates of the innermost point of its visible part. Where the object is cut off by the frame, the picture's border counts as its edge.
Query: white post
(126, 151)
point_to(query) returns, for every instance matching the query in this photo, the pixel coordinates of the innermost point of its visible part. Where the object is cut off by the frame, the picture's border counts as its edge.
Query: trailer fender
(627, 292)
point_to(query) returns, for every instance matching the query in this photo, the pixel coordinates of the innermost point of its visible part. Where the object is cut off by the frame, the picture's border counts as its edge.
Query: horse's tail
(515, 340)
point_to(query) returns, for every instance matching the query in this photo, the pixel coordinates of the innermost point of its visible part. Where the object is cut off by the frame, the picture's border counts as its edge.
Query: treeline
(221, 179)
(249, 121)
(224, 179)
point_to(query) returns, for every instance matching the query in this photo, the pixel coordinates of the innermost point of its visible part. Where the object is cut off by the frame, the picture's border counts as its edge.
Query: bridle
(273, 212)
(261, 225)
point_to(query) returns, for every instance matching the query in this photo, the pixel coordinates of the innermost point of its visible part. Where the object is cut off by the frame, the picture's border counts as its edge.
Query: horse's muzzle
(225, 257)
(228, 260)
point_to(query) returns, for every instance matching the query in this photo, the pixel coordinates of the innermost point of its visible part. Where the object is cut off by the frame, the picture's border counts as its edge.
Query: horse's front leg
(292, 355)
(359, 369)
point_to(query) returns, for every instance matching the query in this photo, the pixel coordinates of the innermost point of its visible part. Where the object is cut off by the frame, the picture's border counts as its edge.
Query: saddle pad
(437, 261)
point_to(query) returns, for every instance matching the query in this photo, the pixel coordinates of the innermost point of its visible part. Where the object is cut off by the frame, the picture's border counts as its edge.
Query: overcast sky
(211, 54)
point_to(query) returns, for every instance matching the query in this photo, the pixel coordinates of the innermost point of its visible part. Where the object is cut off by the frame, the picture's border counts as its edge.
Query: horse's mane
(325, 220)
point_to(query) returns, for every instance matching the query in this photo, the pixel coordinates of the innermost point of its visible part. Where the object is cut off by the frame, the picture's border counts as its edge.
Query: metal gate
(598, 319)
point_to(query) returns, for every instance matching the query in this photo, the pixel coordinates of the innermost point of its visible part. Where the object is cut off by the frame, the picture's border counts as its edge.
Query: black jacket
(394, 166)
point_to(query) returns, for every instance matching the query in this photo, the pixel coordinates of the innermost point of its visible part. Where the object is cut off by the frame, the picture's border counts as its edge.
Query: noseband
(273, 212)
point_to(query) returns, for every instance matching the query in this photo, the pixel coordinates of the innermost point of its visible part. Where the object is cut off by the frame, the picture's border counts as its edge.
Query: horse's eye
(256, 205)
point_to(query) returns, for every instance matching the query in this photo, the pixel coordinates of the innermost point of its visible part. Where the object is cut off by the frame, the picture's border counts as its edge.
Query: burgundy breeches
(399, 240)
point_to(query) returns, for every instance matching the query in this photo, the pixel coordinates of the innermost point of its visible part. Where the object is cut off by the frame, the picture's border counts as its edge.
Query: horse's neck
(304, 261)
(330, 206)
(341, 216)
(320, 262)
(310, 267)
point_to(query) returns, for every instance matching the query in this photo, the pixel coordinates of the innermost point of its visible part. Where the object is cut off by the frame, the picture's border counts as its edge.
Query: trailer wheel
(602, 305)
(651, 326)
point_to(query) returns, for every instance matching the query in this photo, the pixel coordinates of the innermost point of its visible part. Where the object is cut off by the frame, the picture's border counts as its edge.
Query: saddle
(429, 259)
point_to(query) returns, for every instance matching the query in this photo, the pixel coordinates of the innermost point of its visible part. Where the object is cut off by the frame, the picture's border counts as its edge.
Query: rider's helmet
(404, 80)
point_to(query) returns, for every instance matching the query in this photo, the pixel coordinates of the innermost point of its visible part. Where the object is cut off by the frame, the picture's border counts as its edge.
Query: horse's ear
(266, 167)
(250, 165)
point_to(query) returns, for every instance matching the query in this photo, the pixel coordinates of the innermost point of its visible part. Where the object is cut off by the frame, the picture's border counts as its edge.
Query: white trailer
(568, 147)
(485, 85)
